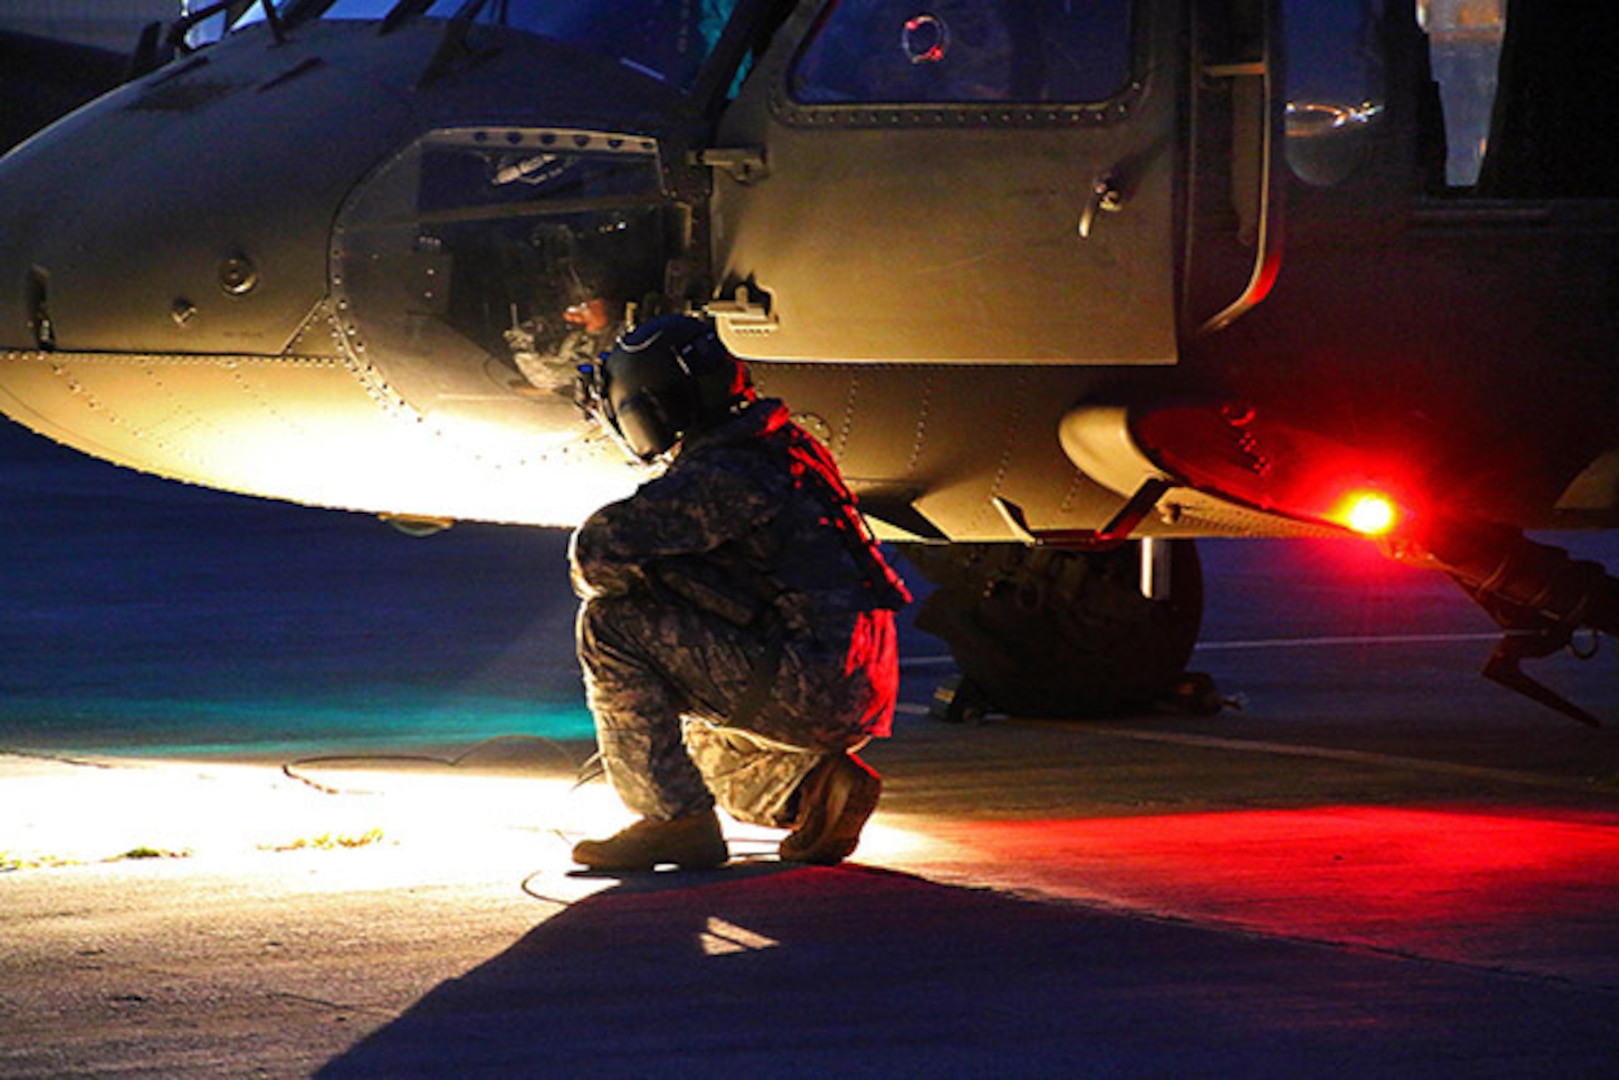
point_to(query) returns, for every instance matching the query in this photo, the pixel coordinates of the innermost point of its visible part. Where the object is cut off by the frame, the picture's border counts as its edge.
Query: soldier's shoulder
(736, 473)
(738, 460)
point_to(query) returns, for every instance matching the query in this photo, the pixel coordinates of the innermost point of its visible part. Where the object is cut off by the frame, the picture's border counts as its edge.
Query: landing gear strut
(1061, 633)
(1535, 592)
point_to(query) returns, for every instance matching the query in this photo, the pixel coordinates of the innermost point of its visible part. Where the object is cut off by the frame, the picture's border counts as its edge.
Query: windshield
(965, 51)
(667, 39)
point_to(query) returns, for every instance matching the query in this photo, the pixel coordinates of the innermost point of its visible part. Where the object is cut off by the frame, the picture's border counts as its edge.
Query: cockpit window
(530, 247)
(964, 51)
(360, 9)
(667, 39)
(1335, 85)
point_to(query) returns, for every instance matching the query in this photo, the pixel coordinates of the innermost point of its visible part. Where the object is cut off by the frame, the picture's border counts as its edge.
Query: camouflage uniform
(737, 626)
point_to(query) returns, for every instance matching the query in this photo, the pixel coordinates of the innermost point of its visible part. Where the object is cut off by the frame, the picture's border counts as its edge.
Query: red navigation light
(1370, 513)
(1248, 454)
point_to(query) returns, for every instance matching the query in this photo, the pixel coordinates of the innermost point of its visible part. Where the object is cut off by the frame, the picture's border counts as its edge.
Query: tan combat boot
(834, 801)
(691, 843)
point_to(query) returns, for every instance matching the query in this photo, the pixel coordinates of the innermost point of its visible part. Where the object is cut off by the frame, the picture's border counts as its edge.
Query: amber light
(1369, 513)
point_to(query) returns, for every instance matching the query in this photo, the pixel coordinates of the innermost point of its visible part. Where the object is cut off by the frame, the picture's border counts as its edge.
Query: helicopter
(1063, 286)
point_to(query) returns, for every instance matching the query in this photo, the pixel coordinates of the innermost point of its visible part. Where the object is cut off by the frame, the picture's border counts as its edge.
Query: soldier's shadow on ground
(762, 969)
(776, 970)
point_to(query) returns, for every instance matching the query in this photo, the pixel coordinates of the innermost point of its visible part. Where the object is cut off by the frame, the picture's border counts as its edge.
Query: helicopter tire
(1043, 633)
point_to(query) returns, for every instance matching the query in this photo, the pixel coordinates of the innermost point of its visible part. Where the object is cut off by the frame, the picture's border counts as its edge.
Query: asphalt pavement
(1166, 896)
(249, 826)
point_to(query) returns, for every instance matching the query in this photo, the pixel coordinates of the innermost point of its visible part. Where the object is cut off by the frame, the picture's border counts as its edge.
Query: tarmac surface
(1163, 896)
(1379, 865)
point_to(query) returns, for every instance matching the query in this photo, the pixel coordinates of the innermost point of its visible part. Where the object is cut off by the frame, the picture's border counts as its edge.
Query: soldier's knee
(618, 633)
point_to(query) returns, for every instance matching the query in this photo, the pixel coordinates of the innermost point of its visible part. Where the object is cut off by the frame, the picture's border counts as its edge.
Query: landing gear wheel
(1038, 632)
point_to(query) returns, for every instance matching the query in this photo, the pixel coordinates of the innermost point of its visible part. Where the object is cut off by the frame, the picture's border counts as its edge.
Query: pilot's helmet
(665, 379)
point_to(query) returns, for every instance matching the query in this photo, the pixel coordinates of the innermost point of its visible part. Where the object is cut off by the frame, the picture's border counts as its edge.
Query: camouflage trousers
(664, 681)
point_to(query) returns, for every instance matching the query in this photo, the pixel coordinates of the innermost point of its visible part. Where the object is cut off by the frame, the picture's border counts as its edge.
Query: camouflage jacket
(750, 517)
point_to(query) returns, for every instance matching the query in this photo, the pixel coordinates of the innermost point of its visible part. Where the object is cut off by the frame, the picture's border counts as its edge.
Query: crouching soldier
(737, 630)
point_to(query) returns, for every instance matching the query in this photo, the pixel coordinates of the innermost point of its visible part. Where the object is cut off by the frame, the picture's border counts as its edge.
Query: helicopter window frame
(675, 55)
(530, 247)
(291, 13)
(926, 39)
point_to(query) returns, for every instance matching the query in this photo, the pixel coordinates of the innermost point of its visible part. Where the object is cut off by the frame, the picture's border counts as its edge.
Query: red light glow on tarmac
(1455, 884)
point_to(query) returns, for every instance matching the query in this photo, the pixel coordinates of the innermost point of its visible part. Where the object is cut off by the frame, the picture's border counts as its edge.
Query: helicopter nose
(188, 212)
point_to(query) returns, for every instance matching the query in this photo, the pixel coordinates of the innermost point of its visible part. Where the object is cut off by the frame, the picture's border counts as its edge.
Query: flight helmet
(668, 377)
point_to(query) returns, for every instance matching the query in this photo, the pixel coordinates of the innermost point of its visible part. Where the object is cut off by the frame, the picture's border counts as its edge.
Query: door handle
(744, 164)
(1106, 196)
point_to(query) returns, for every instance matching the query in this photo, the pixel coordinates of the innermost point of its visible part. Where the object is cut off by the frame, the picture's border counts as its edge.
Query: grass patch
(11, 860)
(144, 852)
(329, 842)
(14, 860)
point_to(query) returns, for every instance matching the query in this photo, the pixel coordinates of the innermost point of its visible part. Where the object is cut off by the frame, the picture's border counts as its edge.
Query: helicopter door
(956, 181)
